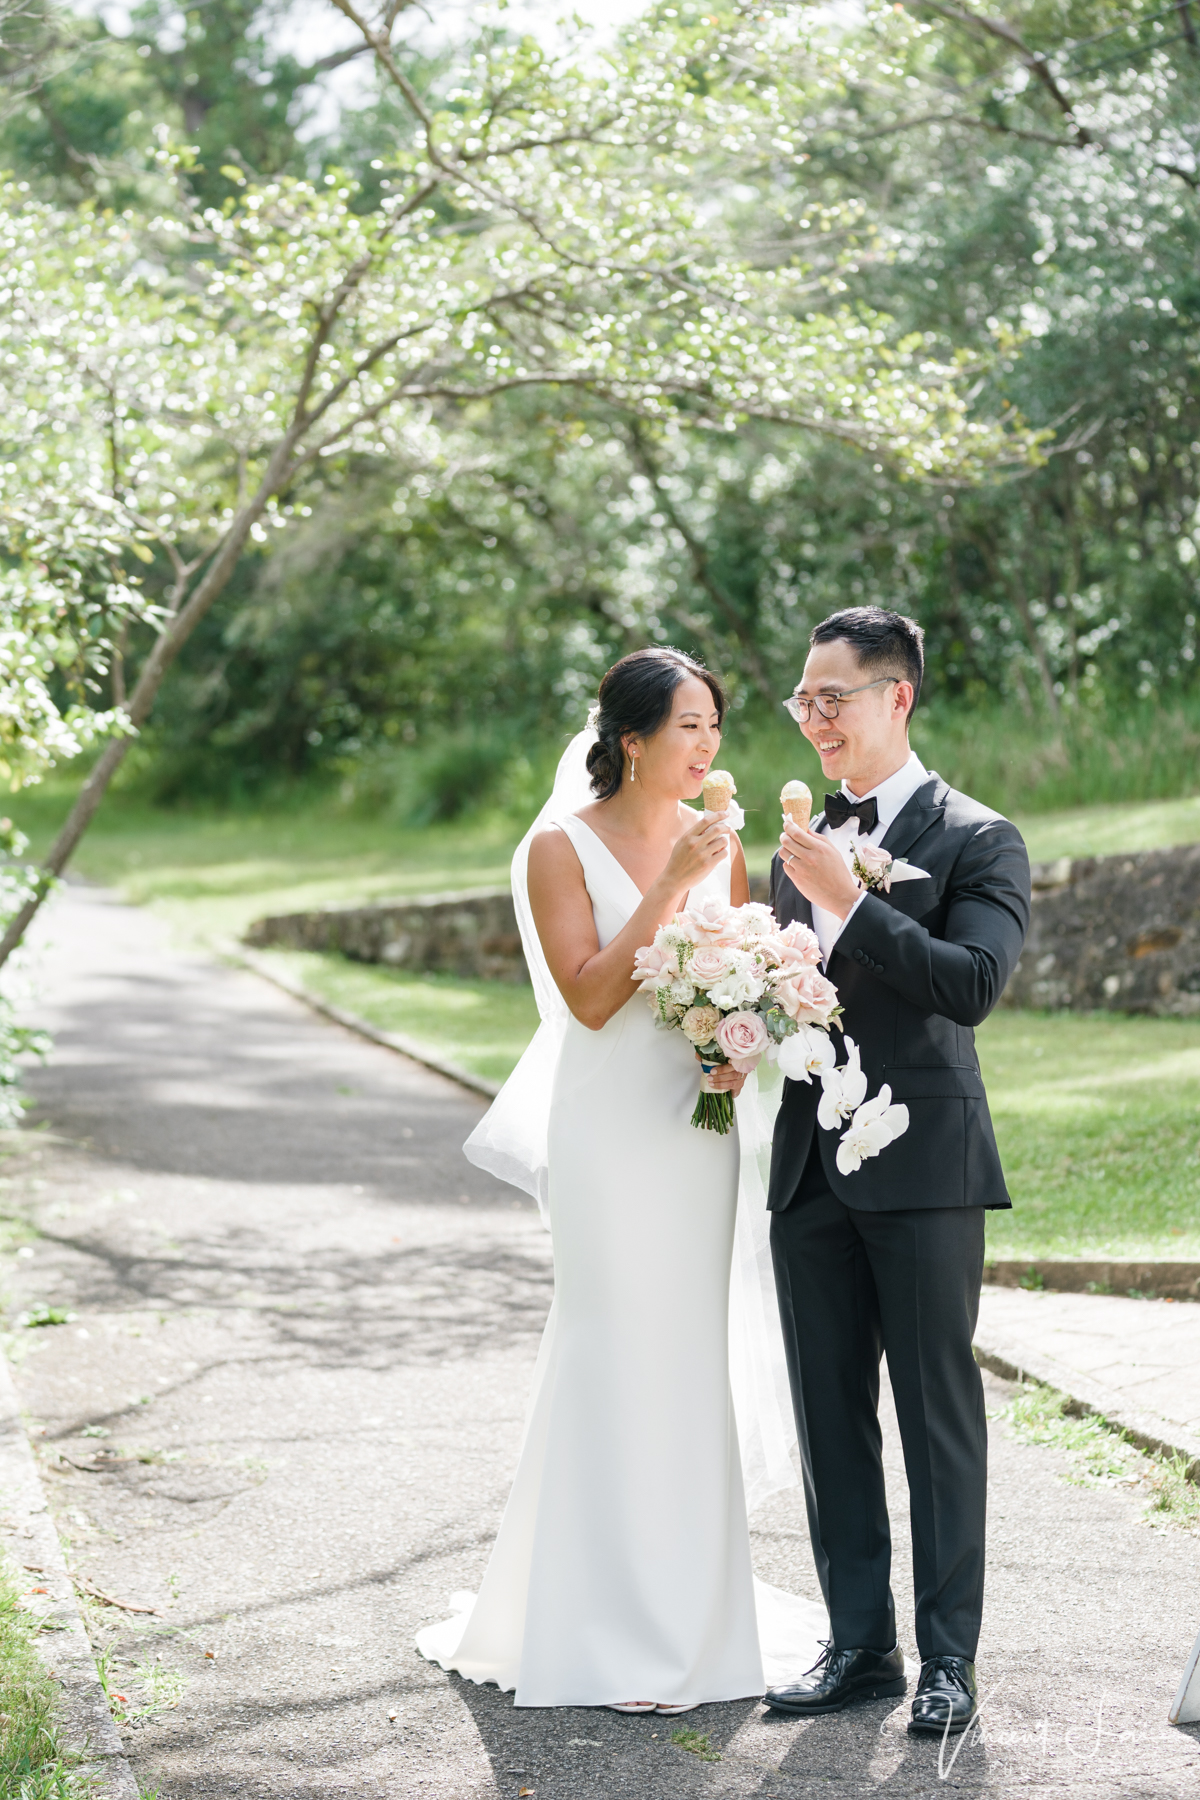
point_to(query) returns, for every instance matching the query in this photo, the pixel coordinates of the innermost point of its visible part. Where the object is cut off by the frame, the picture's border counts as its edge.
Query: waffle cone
(719, 790)
(797, 806)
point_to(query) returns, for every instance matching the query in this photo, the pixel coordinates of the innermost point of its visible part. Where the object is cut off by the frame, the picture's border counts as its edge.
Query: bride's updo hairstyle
(635, 699)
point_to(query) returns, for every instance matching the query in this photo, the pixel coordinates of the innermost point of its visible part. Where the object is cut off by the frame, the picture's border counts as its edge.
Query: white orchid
(872, 1129)
(845, 1090)
(806, 1053)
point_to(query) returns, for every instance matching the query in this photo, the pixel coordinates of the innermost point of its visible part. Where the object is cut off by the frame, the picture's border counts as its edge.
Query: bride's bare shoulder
(552, 856)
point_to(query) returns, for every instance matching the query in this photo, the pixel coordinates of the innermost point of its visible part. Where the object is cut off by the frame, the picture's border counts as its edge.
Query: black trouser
(852, 1285)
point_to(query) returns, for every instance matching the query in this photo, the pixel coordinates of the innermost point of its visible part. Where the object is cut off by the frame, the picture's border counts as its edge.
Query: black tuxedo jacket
(916, 970)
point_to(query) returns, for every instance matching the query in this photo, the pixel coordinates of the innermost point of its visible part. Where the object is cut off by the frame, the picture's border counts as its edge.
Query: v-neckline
(612, 856)
(615, 859)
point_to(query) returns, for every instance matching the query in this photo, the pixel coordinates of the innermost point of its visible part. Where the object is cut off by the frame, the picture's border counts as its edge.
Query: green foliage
(1057, 600)
(33, 1764)
(586, 440)
(547, 238)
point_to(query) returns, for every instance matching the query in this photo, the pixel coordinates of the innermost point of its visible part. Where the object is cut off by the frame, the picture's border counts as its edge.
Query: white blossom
(874, 1126)
(845, 1089)
(808, 1052)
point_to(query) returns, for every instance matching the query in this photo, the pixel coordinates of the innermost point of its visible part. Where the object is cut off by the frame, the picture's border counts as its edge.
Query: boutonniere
(876, 869)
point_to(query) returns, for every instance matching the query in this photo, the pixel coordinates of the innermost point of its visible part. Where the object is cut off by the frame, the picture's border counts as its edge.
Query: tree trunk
(165, 649)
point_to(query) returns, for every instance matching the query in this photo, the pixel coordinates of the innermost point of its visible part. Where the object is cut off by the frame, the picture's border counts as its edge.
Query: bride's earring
(632, 766)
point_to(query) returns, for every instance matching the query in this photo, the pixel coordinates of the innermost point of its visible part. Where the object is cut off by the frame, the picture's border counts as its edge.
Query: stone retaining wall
(473, 934)
(1115, 934)
(1109, 933)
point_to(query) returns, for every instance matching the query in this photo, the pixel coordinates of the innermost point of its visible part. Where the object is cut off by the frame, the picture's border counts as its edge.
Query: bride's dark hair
(635, 699)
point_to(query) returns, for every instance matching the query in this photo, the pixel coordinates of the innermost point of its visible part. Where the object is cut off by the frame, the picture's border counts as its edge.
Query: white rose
(739, 988)
(755, 918)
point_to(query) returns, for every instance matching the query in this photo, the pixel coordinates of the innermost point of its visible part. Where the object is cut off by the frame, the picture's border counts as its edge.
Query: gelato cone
(719, 789)
(796, 801)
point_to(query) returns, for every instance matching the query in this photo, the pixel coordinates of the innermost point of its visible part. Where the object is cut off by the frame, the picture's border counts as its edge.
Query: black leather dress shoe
(946, 1690)
(839, 1676)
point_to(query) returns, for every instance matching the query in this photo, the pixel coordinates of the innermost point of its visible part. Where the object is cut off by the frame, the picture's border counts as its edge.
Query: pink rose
(807, 997)
(654, 965)
(802, 939)
(710, 921)
(791, 957)
(708, 963)
(744, 1038)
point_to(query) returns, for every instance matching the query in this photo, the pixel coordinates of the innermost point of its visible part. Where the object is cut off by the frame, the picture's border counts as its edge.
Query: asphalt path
(287, 1411)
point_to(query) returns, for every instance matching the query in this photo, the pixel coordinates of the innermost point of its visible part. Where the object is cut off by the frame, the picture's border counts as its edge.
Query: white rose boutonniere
(877, 868)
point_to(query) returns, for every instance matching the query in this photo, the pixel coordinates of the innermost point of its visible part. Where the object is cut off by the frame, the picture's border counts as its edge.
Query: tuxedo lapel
(918, 813)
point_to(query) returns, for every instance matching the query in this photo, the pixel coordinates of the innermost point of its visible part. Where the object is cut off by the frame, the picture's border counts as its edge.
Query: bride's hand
(696, 854)
(726, 1076)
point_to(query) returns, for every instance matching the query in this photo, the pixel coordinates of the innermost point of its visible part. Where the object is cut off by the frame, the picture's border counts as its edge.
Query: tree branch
(1004, 33)
(701, 565)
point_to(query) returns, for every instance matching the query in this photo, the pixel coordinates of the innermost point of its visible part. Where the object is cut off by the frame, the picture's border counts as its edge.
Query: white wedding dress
(622, 1567)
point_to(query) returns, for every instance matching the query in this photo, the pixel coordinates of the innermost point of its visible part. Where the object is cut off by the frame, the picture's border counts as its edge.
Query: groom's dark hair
(885, 643)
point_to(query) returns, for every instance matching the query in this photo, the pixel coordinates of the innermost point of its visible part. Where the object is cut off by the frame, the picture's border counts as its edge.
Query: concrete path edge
(1148, 1430)
(29, 1535)
(1147, 1279)
(390, 1040)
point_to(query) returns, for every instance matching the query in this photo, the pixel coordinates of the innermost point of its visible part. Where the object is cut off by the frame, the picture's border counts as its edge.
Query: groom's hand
(817, 868)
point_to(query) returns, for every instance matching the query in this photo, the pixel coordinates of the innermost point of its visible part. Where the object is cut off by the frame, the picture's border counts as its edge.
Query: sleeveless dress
(622, 1566)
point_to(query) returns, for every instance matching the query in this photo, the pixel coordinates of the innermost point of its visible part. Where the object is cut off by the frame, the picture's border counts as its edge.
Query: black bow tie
(840, 807)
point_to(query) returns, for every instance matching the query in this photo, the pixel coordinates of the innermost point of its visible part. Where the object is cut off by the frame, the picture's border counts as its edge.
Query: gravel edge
(30, 1537)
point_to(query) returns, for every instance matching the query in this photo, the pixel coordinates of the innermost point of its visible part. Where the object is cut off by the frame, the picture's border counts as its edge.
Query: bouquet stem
(714, 1112)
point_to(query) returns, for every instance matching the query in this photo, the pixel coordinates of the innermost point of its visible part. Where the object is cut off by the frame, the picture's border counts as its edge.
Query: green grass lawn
(210, 874)
(1098, 1121)
(1098, 1117)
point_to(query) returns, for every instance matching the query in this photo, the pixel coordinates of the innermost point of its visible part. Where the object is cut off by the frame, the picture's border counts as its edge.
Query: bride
(621, 1575)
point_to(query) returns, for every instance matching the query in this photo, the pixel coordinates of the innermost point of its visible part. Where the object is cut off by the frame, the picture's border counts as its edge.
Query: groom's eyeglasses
(800, 706)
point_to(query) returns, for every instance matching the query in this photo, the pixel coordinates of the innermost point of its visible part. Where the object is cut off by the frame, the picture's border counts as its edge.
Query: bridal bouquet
(741, 987)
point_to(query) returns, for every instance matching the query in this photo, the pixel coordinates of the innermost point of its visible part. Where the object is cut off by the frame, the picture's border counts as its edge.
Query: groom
(890, 1258)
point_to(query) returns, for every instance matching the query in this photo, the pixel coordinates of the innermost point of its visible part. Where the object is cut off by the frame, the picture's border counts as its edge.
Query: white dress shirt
(890, 797)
